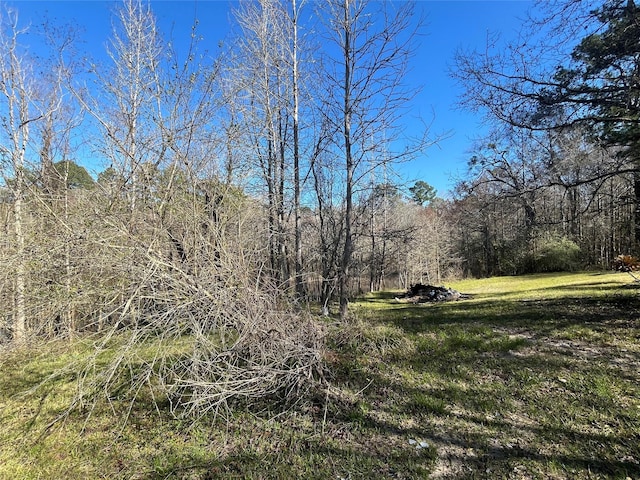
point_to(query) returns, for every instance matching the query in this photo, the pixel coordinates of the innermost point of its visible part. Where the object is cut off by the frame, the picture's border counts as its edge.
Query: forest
(247, 194)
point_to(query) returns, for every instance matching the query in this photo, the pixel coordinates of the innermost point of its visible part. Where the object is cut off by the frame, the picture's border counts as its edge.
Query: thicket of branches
(218, 211)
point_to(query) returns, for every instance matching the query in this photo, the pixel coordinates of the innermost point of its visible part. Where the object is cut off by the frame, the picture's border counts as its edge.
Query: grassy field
(531, 377)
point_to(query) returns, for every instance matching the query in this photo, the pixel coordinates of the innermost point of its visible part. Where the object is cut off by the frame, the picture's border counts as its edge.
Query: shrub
(554, 254)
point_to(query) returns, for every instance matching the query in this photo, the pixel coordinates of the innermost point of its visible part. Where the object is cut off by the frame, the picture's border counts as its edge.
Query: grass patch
(532, 377)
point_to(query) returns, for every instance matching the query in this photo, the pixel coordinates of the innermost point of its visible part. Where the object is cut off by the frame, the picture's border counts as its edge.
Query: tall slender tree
(296, 7)
(371, 44)
(17, 110)
(263, 84)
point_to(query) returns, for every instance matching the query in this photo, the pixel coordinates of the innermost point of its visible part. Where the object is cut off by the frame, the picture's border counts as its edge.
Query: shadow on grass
(503, 428)
(314, 457)
(491, 384)
(546, 385)
(535, 314)
(490, 459)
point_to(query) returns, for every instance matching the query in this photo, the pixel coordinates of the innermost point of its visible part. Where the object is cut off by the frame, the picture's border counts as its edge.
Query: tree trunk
(348, 241)
(348, 214)
(636, 192)
(296, 159)
(19, 321)
(372, 263)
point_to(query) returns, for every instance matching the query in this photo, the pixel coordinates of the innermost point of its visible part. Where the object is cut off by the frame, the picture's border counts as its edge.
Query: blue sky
(453, 25)
(450, 25)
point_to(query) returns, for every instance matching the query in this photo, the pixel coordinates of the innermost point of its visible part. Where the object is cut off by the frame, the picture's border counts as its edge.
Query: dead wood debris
(420, 293)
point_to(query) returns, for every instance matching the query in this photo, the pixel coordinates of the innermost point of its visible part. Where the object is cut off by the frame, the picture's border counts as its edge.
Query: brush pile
(420, 293)
(627, 263)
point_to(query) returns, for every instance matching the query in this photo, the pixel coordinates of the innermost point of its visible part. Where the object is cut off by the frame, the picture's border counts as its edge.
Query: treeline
(528, 206)
(556, 185)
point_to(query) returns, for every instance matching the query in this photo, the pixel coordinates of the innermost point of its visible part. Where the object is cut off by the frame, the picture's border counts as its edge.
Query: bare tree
(373, 42)
(176, 249)
(17, 108)
(264, 89)
(329, 230)
(295, 81)
(124, 105)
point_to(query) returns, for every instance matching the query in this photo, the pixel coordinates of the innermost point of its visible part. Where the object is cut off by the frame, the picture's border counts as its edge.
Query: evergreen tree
(422, 193)
(73, 175)
(597, 85)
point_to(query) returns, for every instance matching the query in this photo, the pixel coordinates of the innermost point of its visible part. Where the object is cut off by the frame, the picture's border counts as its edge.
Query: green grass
(532, 377)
